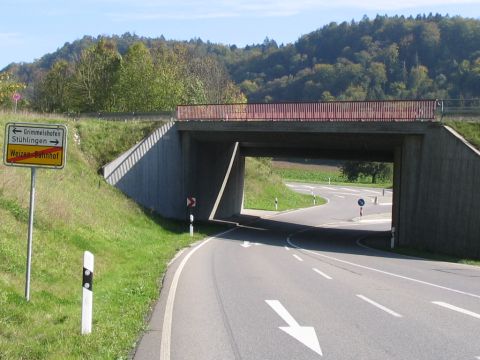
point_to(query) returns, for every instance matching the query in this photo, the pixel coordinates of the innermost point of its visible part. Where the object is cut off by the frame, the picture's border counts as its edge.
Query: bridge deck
(398, 110)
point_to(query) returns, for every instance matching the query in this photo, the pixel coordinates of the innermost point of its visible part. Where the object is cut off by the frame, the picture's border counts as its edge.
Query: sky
(30, 29)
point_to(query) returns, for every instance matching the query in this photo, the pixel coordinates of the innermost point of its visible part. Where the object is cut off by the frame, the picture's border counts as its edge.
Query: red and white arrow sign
(191, 202)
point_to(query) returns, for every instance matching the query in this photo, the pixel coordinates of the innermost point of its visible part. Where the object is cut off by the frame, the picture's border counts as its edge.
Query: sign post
(191, 203)
(361, 203)
(16, 97)
(34, 145)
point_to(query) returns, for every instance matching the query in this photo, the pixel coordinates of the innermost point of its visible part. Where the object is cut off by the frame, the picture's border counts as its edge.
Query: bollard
(383, 192)
(392, 241)
(191, 224)
(361, 210)
(87, 285)
(376, 200)
(328, 181)
(276, 204)
(314, 199)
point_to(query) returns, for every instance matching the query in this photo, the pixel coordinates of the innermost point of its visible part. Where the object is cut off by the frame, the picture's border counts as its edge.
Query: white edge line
(297, 257)
(381, 307)
(457, 309)
(287, 248)
(380, 271)
(168, 316)
(322, 273)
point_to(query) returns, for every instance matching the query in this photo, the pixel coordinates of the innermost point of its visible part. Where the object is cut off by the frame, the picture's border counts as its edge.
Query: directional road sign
(35, 145)
(191, 202)
(361, 202)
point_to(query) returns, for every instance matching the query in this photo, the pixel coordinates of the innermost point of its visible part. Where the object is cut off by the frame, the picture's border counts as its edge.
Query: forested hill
(387, 57)
(430, 56)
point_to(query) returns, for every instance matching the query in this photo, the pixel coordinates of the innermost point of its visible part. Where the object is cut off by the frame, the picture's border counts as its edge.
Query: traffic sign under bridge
(35, 145)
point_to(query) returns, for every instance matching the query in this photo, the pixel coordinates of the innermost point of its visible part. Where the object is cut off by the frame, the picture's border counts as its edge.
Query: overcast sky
(31, 28)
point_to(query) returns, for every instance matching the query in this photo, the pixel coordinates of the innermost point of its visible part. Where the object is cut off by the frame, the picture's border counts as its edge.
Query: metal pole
(30, 235)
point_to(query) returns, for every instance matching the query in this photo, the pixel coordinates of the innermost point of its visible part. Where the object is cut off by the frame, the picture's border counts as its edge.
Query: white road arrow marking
(247, 244)
(305, 334)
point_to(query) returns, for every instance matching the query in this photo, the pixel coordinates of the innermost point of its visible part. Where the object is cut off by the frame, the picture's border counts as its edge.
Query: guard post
(87, 288)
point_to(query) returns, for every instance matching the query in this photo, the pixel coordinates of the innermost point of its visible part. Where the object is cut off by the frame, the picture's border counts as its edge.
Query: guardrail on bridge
(397, 110)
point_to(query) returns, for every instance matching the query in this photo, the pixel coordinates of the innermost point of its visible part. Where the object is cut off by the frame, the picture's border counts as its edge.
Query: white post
(30, 235)
(328, 181)
(87, 285)
(392, 241)
(276, 204)
(191, 224)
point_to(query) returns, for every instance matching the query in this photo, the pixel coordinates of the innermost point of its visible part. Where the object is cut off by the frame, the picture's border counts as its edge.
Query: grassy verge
(76, 211)
(470, 130)
(384, 244)
(262, 186)
(324, 177)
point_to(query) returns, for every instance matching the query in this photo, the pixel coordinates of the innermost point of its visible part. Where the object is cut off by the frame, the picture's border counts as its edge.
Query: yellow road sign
(37, 145)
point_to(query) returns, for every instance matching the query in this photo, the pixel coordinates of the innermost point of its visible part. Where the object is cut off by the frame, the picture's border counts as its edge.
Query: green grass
(77, 211)
(102, 141)
(262, 186)
(324, 177)
(470, 130)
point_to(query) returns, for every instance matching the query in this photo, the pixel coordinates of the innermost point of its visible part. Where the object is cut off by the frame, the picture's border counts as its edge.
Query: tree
(96, 73)
(135, 88)
(8, 86)
(377, 170)
(52, 94)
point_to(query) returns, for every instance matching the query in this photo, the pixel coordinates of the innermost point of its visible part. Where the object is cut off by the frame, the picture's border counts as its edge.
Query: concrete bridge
(436, 203)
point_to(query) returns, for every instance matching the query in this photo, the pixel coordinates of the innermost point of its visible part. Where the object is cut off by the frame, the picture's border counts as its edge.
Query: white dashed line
(287, 248)
(457, 309)
(381, 307)
(297, 257)
(322, 273)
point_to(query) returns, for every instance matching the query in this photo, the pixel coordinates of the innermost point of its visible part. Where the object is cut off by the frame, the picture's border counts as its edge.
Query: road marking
(322, 273)
(287, 248)
(380, 271)
(386, 204)
(371, 191)
(167, 318)
(455, 308)
(328, 188)
(347, 189)
(297, 257)
(305, 334)
(340, 196)
(381, 307)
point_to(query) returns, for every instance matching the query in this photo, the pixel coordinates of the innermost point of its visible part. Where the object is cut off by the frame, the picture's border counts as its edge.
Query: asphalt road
(302, 285)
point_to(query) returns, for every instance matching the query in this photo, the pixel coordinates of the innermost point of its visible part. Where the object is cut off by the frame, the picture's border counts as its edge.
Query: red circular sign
(16, 96)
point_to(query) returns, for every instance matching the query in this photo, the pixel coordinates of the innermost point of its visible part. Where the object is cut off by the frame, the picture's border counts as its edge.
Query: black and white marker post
(87, 286)
(191, 224)
(276, 204)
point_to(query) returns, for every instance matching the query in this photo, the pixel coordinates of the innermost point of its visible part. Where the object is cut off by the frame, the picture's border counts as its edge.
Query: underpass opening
(332, 188)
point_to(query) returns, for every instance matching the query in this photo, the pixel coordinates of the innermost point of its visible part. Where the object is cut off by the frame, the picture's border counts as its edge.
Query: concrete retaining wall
(151, 173)
(440, 193)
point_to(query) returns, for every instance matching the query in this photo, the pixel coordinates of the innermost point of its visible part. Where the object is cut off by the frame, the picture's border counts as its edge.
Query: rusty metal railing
(397, 110)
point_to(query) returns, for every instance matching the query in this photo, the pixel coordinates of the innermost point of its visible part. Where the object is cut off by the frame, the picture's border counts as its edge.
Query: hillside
(76, 211)
(430, 56)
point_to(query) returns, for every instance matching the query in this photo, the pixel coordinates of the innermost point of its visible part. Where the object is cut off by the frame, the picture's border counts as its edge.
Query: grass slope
(77, 211)
(470, 130)
(262, 186)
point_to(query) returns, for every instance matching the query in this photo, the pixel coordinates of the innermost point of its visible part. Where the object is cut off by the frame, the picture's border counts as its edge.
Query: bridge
(202, 154)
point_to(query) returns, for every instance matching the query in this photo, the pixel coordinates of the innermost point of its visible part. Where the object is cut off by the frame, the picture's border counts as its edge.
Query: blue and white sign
(361, 202)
